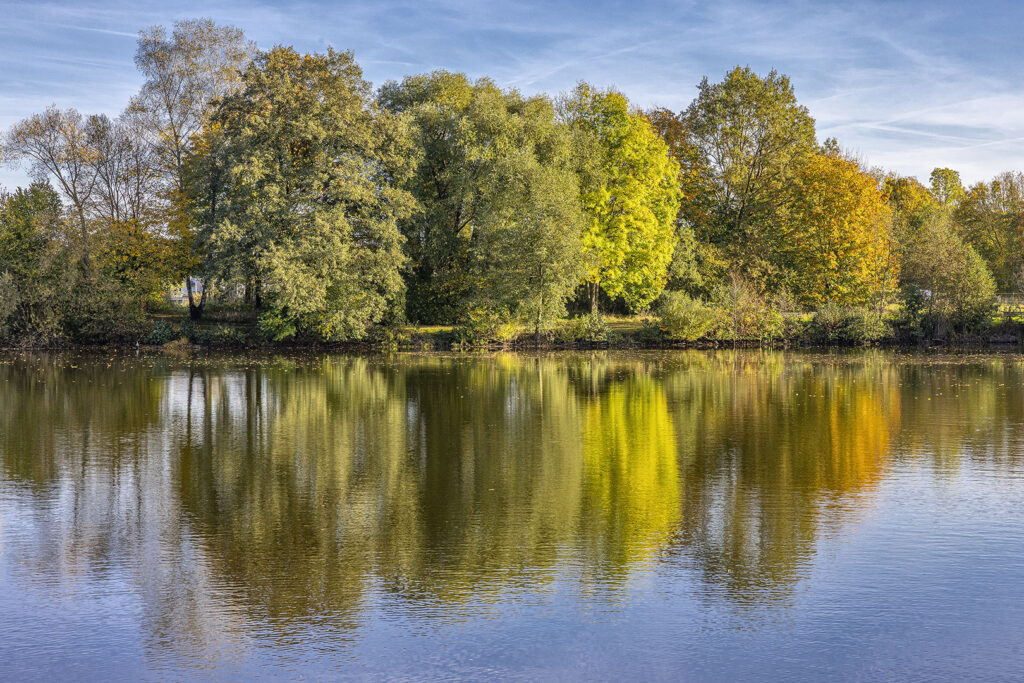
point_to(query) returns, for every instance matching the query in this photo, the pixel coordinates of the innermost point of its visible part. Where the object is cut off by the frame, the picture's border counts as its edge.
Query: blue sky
(906, 85)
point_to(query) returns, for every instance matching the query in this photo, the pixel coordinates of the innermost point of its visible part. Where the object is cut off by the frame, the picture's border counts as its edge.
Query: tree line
(328, 209)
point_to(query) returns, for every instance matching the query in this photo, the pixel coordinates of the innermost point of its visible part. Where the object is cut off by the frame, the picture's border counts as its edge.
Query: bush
(481, 325)
(388, 337)
(102, 312)
(650, 333)
(687, 319)
(221, 335)
(9, 298)
(187, 330)
(591, 328)
(160, 333)
(745, 315)
(833, 324)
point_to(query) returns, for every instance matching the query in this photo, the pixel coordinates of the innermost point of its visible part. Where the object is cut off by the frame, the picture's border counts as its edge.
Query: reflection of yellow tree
(770, 442)
(632, 478)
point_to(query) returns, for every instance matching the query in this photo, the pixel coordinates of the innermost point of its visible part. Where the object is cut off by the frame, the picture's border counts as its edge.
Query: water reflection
(290, 492)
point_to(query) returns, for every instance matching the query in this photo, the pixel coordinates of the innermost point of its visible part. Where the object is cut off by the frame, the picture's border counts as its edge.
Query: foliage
(835, 324)
(481, 325)
(990, 218)
(134, 257)
(946, 187)
(221, 335)
(687, 319)
(948, 286)
(527, 257)
(753, 139)
(56, 145)
(497, 224)
(311, 223)
(101, 311)
(187, 330)
(185, 72)
(630, 194)
(318, 211)
(747, 316)
(160, 333)
(34, 267)
(836, 239)
(590, 328)
(693, 265)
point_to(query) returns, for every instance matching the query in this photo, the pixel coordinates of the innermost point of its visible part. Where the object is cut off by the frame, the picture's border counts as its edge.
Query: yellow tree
(837, 240)
(630, 194)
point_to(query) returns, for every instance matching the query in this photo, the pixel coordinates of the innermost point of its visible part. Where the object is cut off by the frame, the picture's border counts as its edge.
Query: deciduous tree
(630, 194)
(311, 199)
(837, 240)
(186, 70)
(753, 138)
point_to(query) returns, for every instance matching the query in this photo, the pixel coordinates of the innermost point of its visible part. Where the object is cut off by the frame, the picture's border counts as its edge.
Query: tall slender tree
(186, 70)
(56, 145)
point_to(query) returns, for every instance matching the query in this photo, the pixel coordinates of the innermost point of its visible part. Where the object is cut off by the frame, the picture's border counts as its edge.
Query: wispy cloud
(908, 85)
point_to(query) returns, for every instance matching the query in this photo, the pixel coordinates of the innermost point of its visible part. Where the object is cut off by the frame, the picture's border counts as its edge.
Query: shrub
(650, 333)
(481, 325)
(160, 333)
(9, 298)
(221, 335)
(595, 328)
(102, 312)
(685, 318)
(388, 337)
(833, 324)
(590, 328)
(187, 330)
(746, 316)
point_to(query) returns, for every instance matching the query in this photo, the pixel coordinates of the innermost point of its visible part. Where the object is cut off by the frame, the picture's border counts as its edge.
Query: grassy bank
(234, 329)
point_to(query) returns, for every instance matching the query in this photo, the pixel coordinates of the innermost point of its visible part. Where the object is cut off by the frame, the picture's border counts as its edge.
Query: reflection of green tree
(57, 411)
(440, 476)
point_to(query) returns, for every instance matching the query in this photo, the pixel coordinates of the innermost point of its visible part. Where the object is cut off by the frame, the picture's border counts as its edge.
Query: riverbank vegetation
(295, 203)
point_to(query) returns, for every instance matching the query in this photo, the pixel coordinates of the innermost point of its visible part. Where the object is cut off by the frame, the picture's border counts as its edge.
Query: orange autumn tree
(837, 238)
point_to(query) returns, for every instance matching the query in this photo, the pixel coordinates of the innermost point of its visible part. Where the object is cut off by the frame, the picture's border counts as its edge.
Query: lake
(636, 515)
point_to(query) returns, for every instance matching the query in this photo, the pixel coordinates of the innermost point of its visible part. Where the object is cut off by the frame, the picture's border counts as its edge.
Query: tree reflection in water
(291, 491)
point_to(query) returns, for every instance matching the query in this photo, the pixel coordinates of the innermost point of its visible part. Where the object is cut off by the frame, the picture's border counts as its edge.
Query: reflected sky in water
(707, 515)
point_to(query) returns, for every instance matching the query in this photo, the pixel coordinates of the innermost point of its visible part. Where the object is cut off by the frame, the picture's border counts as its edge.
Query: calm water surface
(574, 516)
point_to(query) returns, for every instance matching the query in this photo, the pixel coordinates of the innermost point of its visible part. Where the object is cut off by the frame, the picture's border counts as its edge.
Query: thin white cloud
(909, 85)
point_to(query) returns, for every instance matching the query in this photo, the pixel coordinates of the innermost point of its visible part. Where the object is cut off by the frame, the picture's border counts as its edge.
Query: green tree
(990, 217)
(956, 289)
(311, 206)
(492, 226)
(753, 138)
(33, 265)
(630, 194)
(527, 257)
(946, 187)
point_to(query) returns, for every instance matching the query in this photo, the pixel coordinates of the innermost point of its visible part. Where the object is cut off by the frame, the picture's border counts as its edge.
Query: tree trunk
(84, 229)
(195, 311)
(593, 298)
